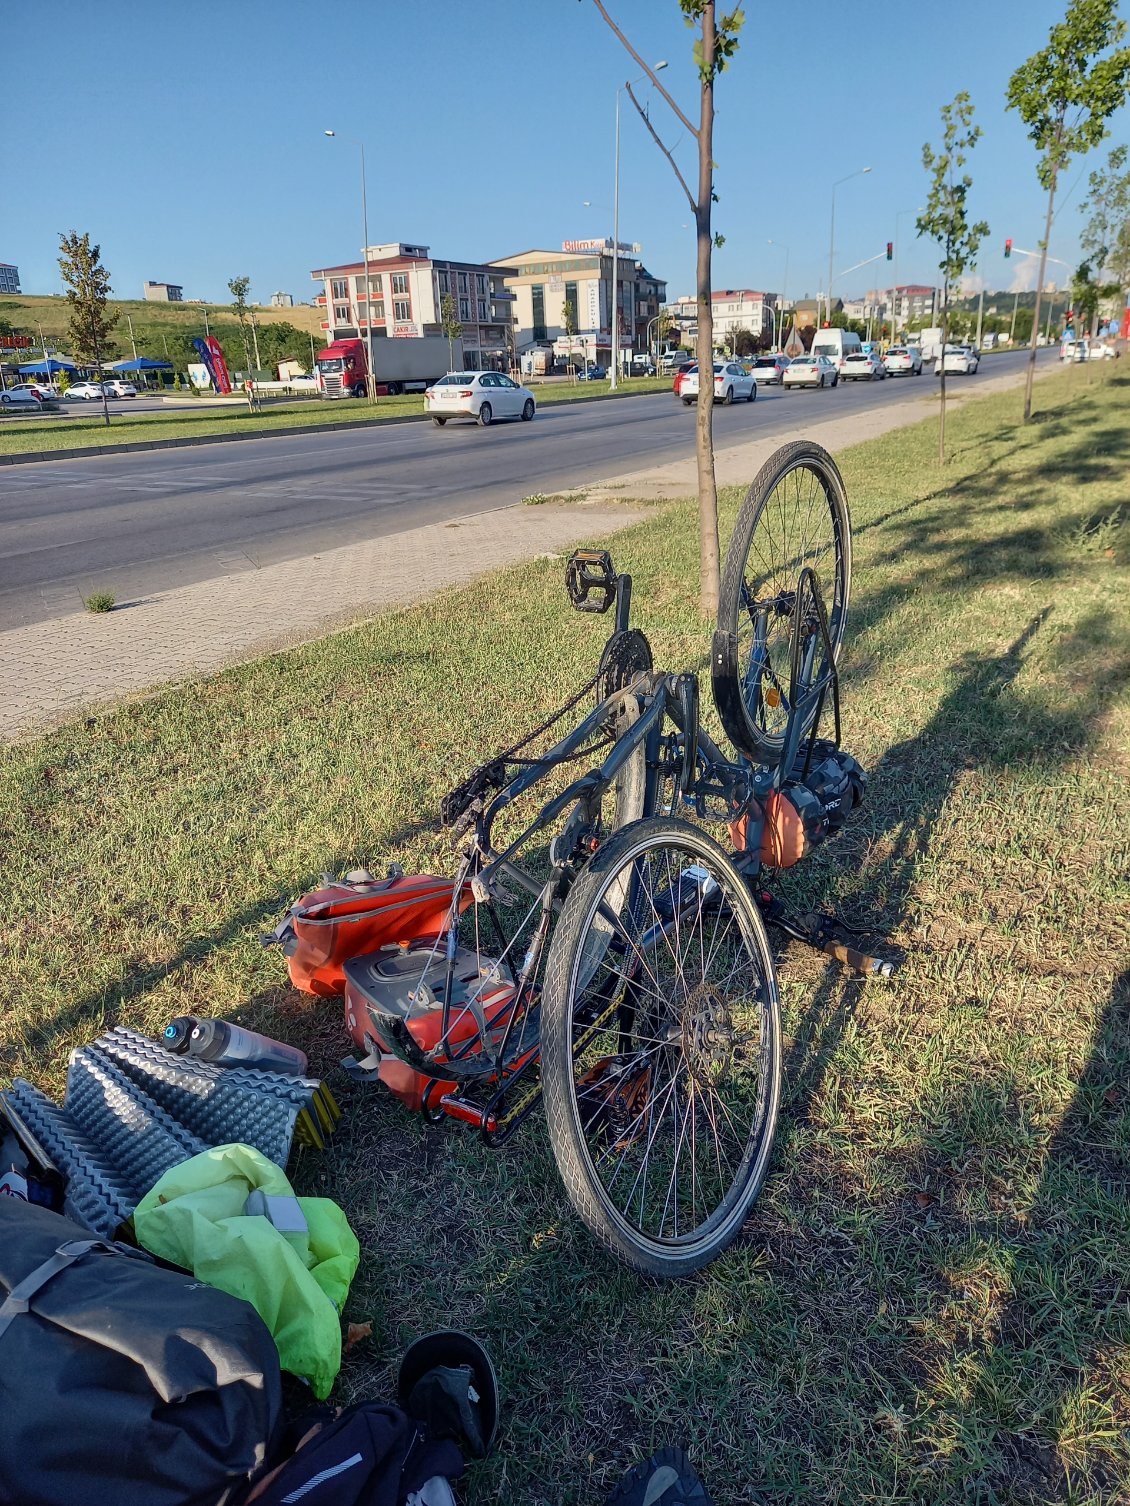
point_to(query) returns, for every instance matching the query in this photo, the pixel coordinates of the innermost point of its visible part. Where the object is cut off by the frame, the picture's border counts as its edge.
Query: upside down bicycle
(610, 957)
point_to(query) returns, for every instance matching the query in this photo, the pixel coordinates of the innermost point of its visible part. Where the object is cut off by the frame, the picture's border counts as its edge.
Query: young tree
(945, 219)
(715, 46)
(1106, 239)
(569, 323)
(88, 291)
(449, 323)
(1065, 95)
(239, 288)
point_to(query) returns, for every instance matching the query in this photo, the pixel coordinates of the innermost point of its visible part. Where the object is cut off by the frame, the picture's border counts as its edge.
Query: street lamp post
(368, 283)
(784, 293)
(832, 233)
(902, 213)
(615, 313)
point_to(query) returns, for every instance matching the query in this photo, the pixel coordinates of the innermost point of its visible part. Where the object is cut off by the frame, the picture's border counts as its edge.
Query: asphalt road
(134, 524)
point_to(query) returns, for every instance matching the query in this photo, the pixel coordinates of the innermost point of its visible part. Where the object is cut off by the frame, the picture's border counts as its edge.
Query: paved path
(51, 671)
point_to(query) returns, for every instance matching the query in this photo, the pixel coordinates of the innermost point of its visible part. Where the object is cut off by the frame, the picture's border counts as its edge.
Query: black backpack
(121, 1381)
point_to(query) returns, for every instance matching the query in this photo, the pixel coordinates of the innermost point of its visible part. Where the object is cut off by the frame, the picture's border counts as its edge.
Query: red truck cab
(342, 369)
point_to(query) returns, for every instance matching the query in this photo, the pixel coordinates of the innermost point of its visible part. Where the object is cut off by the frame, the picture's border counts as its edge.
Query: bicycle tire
(696, 1023)
(795, 514)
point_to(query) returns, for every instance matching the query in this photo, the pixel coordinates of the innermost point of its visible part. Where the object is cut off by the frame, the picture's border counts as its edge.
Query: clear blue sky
(188, 140)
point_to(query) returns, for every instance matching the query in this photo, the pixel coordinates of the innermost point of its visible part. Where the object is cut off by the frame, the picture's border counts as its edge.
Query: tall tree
(569, 325)
(1065, 94)
(90, 321)
(945, 218)
(449, 322)
(1106, 238)
(239, 287)
(714, 47)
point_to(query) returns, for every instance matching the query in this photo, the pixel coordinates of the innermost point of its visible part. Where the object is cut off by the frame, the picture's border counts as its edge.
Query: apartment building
(544, 282)
(404, 297)
(733, 309)
(163, 292)
(9, 278)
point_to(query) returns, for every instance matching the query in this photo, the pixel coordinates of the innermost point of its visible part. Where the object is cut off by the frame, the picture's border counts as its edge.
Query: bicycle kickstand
(817, 931)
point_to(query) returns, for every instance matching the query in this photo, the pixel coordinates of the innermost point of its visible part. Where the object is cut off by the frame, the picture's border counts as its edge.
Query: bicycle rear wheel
(795, 515)
(660, 1062)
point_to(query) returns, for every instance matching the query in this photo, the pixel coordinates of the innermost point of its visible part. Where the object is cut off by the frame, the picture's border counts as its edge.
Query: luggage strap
(19, 1298)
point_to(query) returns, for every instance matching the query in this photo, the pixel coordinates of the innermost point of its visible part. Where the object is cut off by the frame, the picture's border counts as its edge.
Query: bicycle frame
(506, 1051)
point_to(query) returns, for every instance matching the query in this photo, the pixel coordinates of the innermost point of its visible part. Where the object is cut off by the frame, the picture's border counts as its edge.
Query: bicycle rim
(795, 515)
(661, 1065)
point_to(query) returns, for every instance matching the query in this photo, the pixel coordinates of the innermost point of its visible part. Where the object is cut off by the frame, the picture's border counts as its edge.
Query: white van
(836, 344)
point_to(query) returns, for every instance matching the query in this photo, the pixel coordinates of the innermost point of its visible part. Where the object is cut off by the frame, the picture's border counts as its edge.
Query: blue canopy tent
(48, 367)
(141, 363)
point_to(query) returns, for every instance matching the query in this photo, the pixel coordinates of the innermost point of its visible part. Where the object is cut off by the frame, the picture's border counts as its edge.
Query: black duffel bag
(122, 1382)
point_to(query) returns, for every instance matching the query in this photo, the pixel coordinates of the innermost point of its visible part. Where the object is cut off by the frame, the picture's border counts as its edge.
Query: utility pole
(980, 314)
(132, 341)
(1012, 326)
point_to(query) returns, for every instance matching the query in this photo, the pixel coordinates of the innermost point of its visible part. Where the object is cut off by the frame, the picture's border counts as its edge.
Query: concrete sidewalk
(51, 671)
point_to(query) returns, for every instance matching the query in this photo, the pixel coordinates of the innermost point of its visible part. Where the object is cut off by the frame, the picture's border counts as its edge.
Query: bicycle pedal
(590, 570)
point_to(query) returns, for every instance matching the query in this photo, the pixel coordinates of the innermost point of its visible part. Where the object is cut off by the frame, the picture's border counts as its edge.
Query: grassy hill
(165, 330)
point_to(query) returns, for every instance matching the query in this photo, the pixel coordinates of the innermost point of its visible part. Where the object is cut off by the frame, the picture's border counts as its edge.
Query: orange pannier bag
(324, 929)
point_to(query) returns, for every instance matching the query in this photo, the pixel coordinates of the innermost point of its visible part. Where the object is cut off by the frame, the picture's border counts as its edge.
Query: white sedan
(85, 391)
(21, 397)
(116, 388)
(731, 381)
(903, 360)
(861, 365)
(961, 359)
(810, 371)
(481, 396)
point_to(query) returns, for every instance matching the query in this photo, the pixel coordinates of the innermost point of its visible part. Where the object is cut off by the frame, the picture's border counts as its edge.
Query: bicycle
(631, 984)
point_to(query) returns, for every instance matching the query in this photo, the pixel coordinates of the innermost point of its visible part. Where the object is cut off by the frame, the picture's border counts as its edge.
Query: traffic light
(1008, 248)
(890, 250)
(1069, 318)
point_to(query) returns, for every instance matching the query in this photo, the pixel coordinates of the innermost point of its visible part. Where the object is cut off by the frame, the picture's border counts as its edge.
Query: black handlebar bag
(122, 1382)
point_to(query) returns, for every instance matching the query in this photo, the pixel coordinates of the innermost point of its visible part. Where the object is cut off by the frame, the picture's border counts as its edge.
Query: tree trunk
(1040, 278)
(942, 370)
(704, 428)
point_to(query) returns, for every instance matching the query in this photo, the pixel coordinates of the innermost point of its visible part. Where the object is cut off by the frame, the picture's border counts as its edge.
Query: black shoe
(666, 1479)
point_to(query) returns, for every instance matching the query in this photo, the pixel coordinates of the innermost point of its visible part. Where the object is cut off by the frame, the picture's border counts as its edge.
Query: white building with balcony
(404, 295)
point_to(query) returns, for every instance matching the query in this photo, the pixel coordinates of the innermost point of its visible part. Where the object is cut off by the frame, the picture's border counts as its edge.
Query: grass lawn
(19, 435)
(931, 1301)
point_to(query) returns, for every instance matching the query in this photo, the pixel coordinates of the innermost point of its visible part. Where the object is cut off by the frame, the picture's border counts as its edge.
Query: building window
(377, 281)
(378, 308)
(464, 309)
(341, 313)
(401, 310)
(400, 282)
(443, 282)
(571, 300)
(482, 311)
(339, 288)
(462, 282)
(481, 283)
(537, 298)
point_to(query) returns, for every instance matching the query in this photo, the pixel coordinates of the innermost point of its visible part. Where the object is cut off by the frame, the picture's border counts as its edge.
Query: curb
(84, 452)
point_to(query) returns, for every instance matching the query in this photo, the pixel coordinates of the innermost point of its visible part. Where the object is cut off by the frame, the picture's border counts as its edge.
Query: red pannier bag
(352, 916)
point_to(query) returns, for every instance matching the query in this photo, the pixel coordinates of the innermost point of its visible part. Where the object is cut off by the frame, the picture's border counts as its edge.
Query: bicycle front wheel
(794, 515)
(661, 1063)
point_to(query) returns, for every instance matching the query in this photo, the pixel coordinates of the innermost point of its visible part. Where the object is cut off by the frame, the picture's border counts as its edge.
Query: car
(903, 360)
(862, 366)
(593, 374)
(731, 381)
(21, 397)
(1073, 350)
(770, 369)
(85, 392)
(35, 388)
(681, 374)
(116, 388)
(642, 364)
(810, 371)
(1099, 351)
(481, 396)
(960, 359)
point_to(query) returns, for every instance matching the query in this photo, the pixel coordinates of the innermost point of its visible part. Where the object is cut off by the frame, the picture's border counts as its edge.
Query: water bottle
(232, 1046)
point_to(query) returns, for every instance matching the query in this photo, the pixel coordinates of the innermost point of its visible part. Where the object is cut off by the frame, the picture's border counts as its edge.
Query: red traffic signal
(890, 250)
(1008, 248)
